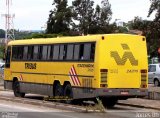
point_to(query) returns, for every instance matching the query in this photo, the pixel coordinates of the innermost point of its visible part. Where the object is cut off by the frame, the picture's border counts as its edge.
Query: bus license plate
(124, 93)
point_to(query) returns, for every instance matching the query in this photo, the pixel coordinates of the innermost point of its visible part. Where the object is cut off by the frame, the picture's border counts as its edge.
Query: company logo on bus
(128, 55)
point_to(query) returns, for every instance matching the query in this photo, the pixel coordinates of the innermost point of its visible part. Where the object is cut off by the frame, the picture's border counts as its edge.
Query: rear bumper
(109, 92)
(122, 92)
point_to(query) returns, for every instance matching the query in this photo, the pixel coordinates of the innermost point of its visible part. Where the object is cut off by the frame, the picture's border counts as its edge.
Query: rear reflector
(104, 70)
(144, 71)
(103, 85)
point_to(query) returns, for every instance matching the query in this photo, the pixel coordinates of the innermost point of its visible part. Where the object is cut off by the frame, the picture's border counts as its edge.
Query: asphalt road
(20, 110)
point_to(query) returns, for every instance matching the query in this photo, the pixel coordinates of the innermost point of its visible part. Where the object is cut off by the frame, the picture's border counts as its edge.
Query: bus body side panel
(40, 79)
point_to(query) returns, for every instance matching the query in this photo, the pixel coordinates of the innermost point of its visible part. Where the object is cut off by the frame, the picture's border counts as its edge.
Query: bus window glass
(70, 51)
(92, 51)
(48, 52)
(76, 51)
(61, 52)
(35, 55)
(81, 53)
(20, 52)
(14, 52)
(65, 52)
(30, 52)
(51, 52)
(56, 52)
(25, 52)
(40, 52)
(44, 53)
(87, 51)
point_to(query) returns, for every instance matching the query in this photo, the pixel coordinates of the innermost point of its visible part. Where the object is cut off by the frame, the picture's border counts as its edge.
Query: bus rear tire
(109, 102)
(68, 94)
(16, 89)
(58, 90)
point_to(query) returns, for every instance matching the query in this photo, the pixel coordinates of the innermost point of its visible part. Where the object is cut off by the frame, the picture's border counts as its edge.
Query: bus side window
(44, 52)
(51, 52)
(76, 51)
(92, 51)
(14, 52)
(70, 48)
(35, 52)
(30, 52)
(81, 52)
(20, 52)
(40, 52)
(25, 52)
(63, 51)
(56, 52)
(48, 52)
(87, 51)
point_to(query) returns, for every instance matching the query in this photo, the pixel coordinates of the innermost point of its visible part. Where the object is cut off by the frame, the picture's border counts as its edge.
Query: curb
(139, 106)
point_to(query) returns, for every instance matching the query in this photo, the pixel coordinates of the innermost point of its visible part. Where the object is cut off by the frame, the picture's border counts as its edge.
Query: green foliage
(21, 34)
(121, 29)
(80, 18)
(83, 15)
(2, 33)
(59, 18)
(92, 20)
(155, 26)
(155, 6)
(2, 48)
(101, 18)
(40, 35)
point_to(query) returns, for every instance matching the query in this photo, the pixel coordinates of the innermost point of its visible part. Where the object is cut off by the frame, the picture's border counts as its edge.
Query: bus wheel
(68, 94)
(16, 90)
(109, 102)
(58, 90)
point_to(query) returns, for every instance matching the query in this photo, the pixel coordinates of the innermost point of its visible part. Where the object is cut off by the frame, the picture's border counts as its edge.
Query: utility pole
(9, 25)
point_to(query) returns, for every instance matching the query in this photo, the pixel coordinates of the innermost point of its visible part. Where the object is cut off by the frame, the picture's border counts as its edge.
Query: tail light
(104, 73)
(144, 78)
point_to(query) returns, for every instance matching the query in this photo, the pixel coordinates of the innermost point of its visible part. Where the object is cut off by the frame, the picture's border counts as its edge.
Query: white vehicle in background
(154, 74)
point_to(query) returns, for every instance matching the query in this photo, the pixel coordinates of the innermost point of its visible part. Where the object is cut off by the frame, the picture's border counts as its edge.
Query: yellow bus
(109, 66)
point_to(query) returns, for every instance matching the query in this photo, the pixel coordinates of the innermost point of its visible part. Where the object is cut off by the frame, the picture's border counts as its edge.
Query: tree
(106, 12)
(102, 16)
(83, 15)
(155, 6)
(59, 18)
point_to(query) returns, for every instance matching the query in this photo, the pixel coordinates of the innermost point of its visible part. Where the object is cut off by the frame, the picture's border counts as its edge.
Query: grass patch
(98, 107)
(1, 80)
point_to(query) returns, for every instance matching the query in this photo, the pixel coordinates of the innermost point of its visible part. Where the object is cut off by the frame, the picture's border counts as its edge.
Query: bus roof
(87, 38)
